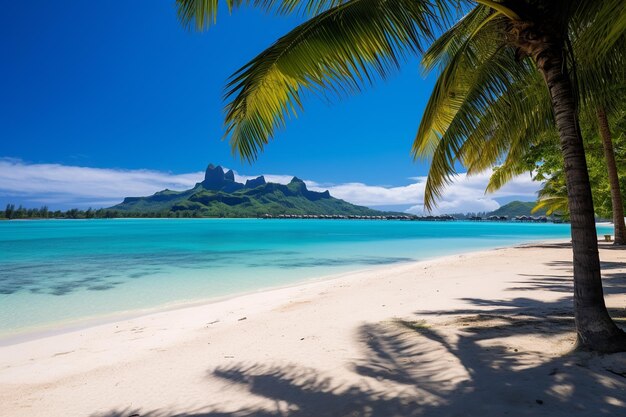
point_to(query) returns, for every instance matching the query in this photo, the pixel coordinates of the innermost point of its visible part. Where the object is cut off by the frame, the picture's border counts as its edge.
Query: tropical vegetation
(519, 143)
(543, 159)
(346, 45)
(11, 212)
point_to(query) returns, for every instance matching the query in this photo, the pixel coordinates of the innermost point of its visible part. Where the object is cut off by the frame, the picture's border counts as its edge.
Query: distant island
(219, 195)
(518, 208)
(514, 210)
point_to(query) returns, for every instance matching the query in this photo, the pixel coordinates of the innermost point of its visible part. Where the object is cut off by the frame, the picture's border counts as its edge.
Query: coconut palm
(345, 45)
(507, 137)
(526, 155)
(603, 94)
(616, 195)
(518, 150)
(469, 103)
(541, 158)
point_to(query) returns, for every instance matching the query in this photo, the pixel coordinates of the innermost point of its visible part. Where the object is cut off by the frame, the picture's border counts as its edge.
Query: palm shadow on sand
(408, 369)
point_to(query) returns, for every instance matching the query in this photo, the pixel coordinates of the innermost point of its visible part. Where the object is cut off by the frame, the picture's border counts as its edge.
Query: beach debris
(229, 357)
(242, 319)
(213, 322)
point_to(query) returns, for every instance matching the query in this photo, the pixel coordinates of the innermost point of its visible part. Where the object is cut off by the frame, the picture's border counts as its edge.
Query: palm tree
(346, 45)
(465, 109)
(497, 142)
(522, 156)
(611, 165)
(600, 94)
(601, 86)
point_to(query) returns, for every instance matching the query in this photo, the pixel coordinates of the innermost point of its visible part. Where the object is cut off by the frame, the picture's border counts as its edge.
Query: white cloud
(279, 179)
(63, 185)
(465, 194)
(73, 186)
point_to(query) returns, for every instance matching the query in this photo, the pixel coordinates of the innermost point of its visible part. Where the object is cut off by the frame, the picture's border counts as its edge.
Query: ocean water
(56, 273)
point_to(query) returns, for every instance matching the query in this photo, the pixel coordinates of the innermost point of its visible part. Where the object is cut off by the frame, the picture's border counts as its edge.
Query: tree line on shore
(11, 212)
(15, 213)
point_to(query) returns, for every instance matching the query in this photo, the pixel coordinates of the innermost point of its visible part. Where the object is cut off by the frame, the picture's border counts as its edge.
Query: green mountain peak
(219, 195)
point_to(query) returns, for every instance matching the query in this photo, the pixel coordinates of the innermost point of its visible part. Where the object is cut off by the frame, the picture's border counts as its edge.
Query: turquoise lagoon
(56, 273)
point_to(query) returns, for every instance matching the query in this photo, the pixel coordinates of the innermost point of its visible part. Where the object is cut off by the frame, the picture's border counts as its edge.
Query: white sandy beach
(483, 334)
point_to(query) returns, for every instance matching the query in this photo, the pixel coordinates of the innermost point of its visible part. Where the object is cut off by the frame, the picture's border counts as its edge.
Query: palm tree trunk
(596, 331)
(616, 194)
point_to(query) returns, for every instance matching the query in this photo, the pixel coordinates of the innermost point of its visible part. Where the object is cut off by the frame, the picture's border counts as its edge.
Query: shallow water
(58, 272)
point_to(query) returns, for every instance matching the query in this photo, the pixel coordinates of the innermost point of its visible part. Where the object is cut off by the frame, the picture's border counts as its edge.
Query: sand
(487, 333)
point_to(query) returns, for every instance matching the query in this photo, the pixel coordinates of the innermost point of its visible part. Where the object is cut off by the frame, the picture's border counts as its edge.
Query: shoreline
(452, 335)
(75, 325)
(89, 322)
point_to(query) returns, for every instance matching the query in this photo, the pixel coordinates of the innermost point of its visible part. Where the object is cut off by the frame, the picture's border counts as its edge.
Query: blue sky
(121, 86)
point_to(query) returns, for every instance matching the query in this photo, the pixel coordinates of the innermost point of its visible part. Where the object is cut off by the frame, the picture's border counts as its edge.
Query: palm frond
(553, 195)
(552, 205)
(511, 123)
(448, 44)
(201, 14)
(493, 119)
(494, 113)
(341, 50)
(494, 126)
(601, 81)
(457, 52)
(505, 173)
(604, 25)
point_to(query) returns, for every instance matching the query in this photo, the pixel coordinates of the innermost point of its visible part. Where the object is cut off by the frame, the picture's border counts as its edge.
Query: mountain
(219, 195)
(517, 208)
